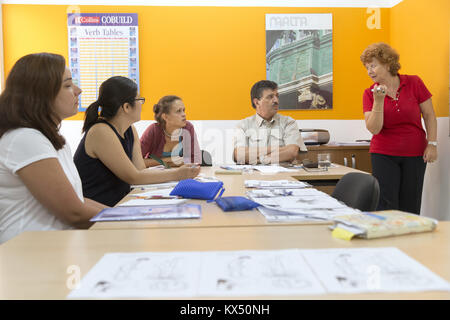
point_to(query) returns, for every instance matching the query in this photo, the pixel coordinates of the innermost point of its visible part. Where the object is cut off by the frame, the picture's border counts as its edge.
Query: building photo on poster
(299, 58)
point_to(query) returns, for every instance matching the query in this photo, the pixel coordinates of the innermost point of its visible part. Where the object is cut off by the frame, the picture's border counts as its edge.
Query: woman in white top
(40, 188)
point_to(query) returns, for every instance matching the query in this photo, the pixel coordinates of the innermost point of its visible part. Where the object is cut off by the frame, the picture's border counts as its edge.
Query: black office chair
(206, 159)
(358, 190)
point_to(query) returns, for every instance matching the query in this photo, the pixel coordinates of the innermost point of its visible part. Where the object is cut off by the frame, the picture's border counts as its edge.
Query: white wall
(216, 137)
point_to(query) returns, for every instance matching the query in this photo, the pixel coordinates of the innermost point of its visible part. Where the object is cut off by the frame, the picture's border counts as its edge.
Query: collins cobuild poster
(102, 45)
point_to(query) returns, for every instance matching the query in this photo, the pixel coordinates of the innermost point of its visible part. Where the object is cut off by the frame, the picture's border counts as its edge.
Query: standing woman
(40, 188)
(109, 157)
(170, 141)
(400, 148)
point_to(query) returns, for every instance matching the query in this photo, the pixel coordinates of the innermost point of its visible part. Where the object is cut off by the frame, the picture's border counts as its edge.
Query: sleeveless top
(100, 183)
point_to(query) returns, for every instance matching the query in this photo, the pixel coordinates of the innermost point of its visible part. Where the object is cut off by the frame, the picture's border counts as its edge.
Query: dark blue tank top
(100, 183)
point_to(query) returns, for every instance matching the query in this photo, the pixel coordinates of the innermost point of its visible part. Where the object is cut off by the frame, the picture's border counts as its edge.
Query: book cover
(184, 211)
(380, 224)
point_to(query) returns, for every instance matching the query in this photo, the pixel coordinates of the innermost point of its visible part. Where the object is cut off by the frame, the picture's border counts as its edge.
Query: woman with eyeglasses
(171, 141)
(109, 157)
(40, 188)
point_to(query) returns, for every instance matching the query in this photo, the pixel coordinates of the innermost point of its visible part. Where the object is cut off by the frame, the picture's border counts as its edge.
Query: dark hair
(163, 106)
(113, 93)
(30, 92)
(383, 53)
(259, 87)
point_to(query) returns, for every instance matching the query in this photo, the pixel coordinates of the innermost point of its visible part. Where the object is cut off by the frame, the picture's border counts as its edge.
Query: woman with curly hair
(400, 147)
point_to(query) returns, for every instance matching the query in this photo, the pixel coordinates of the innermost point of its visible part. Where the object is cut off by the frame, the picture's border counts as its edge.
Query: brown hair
(383, 53)
(163, 106)
(30, 91)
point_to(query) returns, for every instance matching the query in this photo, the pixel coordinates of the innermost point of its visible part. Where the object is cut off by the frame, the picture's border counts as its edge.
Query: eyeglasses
(140, 99)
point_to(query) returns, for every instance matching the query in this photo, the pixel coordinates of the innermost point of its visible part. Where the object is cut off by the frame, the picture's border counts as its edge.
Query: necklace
(397, 95)
(171, 136)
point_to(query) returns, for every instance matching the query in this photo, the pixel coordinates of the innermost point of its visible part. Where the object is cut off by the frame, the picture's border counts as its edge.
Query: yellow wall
(209, 56)
(420, 33)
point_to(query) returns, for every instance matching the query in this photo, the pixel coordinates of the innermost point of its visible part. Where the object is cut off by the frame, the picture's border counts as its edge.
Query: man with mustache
(266, 137)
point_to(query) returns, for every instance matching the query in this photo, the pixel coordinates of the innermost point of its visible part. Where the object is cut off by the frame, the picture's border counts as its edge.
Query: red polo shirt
(402, 133)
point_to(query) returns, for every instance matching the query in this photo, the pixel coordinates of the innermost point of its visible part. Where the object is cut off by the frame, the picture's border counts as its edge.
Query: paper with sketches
(150, 193)
(286, 202)
(255, 194)
(371, 270)
(301, 202)
(272, 215)
(152, 202)
(155, 186)
(144, 274)
(261, 168)
(278, 184)
(158, 197)
(273, 169)
(321, 214)
(182, 211)
(254, 273)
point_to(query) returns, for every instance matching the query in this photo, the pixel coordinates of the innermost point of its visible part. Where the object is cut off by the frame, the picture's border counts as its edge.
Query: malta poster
(102, 45)
(299, 57)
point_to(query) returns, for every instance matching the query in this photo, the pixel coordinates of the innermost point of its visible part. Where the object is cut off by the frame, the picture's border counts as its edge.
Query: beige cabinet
(354, 156)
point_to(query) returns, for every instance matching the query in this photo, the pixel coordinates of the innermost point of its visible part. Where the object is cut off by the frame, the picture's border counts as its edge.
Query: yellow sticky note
(340, 233)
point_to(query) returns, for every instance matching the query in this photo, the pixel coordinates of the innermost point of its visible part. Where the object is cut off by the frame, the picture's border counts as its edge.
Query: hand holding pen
(189, 171)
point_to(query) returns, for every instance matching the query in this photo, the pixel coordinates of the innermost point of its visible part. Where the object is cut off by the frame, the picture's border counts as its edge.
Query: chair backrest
(206, 159)
(358, 190)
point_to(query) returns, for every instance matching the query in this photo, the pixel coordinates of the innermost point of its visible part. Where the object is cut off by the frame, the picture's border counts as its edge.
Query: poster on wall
(102, 45)
(299, 57)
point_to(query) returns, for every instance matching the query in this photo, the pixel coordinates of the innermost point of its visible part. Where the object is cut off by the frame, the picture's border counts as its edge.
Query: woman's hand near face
(379, 92)
(188, 171)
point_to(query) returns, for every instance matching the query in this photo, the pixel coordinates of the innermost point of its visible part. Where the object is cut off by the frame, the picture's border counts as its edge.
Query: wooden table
(213, 216)
(37, 265)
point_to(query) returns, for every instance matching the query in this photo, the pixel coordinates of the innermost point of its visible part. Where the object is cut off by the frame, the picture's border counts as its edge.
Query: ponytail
(157, 108)
(91, 116)
(113, 93)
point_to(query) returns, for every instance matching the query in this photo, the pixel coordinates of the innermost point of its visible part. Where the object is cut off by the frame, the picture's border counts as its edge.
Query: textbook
(379, 224)
(183, 211)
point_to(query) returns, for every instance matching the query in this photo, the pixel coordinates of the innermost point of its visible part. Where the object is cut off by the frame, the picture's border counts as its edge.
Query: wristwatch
(433, 143)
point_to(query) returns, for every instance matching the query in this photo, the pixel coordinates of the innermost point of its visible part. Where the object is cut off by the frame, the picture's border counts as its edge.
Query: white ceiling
(221, 3)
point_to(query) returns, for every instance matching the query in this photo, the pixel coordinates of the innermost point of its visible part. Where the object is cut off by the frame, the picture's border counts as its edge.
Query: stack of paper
(183, 211)
(275, 184)
(156, 197)
(261, 168)
(282, 201)
(155, 186)
(273, 169)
